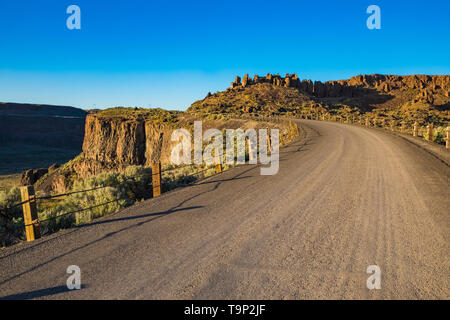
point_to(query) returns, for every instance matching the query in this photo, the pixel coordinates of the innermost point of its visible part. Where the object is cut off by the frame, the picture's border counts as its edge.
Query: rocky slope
(382, 94)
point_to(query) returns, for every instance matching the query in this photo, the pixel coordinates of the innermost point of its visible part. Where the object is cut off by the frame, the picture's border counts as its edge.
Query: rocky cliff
(118, 142)
(426, 84)
(117, 138)
(273, 94)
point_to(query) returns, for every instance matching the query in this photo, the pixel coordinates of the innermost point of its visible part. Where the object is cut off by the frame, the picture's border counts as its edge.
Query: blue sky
(170, 53)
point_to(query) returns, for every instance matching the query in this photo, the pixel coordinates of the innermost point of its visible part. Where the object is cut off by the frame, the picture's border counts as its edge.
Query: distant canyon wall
(50, 126)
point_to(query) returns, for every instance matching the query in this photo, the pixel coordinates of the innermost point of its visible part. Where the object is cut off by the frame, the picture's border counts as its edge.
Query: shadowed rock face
(31, 176)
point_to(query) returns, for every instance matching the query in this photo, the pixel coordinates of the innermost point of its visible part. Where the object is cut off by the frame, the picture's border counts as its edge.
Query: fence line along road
(29, 199)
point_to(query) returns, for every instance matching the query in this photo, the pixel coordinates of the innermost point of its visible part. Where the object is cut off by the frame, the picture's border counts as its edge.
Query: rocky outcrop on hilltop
(274, 94)
(426, 84)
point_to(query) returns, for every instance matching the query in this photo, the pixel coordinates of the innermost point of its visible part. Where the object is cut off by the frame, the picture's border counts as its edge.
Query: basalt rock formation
(274, 94)
(426, 84)
(112, 143)
(117, 142)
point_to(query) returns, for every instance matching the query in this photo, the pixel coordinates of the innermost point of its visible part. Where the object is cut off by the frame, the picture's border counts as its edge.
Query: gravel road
(345, 197)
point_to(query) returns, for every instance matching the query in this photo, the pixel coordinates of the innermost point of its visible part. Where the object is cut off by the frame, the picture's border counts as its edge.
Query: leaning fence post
(447, 140)
(375, 124)
(251, 151)
(218, 163)
(269, 143)
(392, 123)
(30, 216)
(416, 129)
(383, 122)
(367, 122)
(156, 179)
(430, 132)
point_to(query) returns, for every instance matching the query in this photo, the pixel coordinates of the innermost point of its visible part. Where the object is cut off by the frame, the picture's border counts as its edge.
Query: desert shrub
(11, 219)
(440, 133)
(111, 192)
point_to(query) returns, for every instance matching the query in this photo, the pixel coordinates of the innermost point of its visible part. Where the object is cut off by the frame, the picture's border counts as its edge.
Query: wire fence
(61, 195)
(199, 174)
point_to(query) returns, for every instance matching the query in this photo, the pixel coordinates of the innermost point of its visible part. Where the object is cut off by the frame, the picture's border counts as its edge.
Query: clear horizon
(168, 55)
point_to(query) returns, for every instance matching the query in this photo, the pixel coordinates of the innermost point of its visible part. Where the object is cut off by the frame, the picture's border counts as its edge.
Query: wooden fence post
(375, 122)
(218, 164)
(392, 125)
(416, 129)
(430, 132)
(269, 143)
(383, 122)
(447, 140)
(251, 149)
(367, 122)
(30, 216)
(156, 179)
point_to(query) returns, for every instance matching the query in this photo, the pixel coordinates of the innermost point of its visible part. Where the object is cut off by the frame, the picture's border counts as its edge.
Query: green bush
(111, 192)
(11, 220)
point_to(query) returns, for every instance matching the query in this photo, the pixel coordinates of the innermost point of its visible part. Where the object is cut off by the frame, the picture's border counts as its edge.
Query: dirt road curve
(345, 198)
